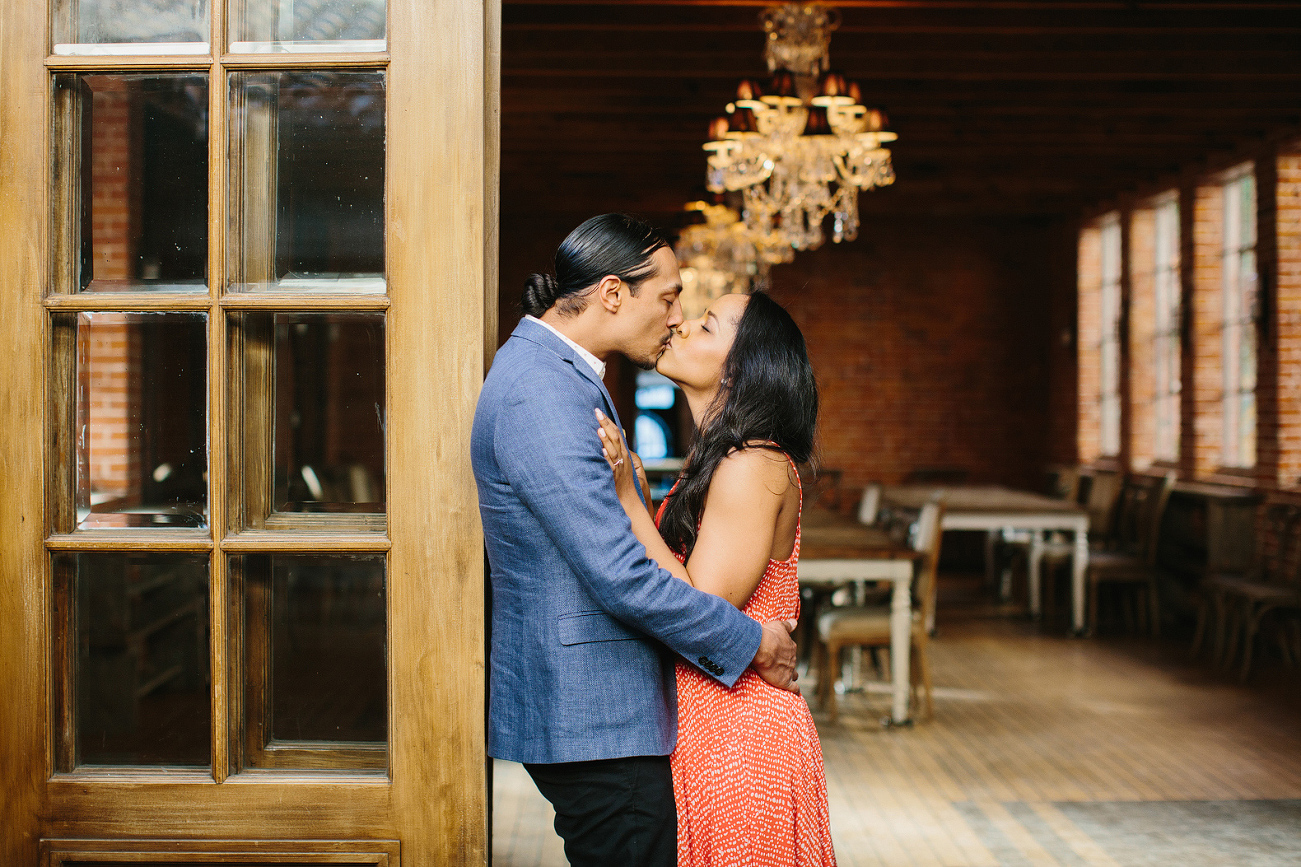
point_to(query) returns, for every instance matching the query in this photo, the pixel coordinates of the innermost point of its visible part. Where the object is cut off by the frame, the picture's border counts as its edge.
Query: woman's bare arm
(737, 527)
(739, 524)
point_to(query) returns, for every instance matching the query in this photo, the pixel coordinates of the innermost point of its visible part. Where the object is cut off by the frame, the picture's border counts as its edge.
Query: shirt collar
(597, 365)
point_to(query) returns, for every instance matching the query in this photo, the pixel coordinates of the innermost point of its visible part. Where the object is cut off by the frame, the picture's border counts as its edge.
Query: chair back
(869, 506)
(1066, 484)
(1279, 552)
(1104, 496)
(1151, 518)
(929, 531)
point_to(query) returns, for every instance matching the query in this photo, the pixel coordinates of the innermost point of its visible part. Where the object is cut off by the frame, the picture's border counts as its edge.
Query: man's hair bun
(540, 292)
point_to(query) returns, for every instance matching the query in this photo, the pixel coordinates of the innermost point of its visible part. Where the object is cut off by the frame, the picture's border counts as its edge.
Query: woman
(747, 770)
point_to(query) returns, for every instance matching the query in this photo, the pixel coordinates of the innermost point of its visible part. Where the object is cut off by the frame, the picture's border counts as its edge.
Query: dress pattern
(747, 771)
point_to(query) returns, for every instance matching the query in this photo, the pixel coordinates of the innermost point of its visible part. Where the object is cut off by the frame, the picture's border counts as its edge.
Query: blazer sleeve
(546, 446)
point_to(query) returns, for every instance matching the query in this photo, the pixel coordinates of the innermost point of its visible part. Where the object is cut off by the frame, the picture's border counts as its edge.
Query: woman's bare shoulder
(755, 467)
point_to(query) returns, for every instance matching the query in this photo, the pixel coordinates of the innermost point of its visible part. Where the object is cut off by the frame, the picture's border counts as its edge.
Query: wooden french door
(247, 296)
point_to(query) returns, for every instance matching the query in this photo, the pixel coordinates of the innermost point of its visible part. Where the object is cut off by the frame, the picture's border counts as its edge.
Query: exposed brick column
(1089, 334)
(1207, 342)
(115, 188)
(1141, 266)
(1267, 403)
(1288, 314)
(1188, 314)
(111, 356)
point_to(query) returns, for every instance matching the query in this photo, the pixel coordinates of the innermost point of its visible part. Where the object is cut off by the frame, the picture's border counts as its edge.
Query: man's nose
(675, 314)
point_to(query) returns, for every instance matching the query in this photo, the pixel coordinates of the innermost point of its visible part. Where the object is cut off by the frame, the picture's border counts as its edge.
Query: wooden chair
(869, 626)
(1013, 546)
(1132, 563)
(869, 505)
(1099, 491)
(1239, 603)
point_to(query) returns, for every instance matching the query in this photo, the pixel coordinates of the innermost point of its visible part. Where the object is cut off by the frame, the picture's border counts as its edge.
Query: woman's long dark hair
(769, 396)
(609, 244)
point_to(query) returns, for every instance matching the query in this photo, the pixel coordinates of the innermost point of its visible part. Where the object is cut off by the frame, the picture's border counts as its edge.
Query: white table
(993, 509)
(900, 574)
(834, 551)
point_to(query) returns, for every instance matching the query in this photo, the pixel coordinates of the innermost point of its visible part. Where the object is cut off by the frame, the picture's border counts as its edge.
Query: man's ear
(609, 293)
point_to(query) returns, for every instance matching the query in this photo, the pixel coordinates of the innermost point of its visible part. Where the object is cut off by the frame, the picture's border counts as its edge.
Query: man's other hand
(775, 661)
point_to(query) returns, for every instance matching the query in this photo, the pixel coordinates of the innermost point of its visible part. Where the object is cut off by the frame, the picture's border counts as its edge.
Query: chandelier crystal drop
(800, 151)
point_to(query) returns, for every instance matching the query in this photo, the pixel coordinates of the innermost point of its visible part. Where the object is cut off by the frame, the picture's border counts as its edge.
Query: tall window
(1166, 331)
(1109, 337)
(1238, 265)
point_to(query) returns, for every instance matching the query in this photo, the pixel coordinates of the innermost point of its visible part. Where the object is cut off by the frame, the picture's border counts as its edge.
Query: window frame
(1167, 331)
(1111, 306)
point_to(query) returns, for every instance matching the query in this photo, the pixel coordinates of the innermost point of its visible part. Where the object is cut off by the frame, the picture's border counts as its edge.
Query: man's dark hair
(611, 244)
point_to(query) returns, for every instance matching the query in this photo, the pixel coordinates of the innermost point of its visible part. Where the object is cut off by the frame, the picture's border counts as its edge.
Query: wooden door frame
(443, 83)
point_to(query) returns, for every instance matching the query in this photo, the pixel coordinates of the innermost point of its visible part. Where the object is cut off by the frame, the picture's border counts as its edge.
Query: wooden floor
(1043, 750)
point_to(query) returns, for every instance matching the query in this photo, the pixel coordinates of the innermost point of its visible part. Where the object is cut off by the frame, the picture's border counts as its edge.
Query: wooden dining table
(993, 509)
(836, 549)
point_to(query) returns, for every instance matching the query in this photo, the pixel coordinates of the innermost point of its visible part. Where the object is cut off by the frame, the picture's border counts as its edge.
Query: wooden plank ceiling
(1039, 108)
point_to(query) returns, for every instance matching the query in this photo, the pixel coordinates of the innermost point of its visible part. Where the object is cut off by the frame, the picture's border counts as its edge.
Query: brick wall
(1089, 334)
(109, 349)
(115, 189)
(1288, 316)
(1207, 301)
(936, 342)
(1142, 328)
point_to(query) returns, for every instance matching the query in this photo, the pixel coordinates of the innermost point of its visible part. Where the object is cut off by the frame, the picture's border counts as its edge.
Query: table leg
(851, 679)
(900, 649)
(991, 543)
(1080, 565)
(1033, 570)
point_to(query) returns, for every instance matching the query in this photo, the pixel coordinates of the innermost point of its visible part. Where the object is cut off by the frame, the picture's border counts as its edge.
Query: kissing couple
(641, 666)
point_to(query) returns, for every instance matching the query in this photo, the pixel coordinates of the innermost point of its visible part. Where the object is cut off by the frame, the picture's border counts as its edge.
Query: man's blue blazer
(580, 615)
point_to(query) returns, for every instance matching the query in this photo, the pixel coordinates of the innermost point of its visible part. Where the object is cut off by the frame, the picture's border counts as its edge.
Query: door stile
(219, 583)
(439, 207)
(24, 589)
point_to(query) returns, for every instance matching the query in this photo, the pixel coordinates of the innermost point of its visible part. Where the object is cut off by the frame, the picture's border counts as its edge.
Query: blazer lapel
(543, 336)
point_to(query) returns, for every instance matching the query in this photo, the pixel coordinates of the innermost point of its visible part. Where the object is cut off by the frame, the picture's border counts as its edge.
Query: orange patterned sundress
(747, 771)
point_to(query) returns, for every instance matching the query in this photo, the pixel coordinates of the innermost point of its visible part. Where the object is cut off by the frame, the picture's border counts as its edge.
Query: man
(582, 688)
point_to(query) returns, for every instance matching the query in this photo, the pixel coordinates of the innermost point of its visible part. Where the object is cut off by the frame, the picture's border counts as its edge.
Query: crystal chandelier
(721, 256)
(800, 151)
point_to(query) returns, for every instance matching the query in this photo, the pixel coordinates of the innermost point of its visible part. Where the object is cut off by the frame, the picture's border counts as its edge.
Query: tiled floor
(1043, 750)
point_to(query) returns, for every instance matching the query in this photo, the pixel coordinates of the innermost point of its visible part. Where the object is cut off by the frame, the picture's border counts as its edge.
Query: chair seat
(859, 621)
(1119, 566)
(1257, 589)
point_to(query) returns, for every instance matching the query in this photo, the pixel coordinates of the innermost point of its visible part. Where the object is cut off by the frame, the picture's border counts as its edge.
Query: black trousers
(614, 812)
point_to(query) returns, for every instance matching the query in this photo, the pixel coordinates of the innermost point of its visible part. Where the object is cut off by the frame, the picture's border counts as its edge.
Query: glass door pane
(307, 25)
(307, 184)
(315, 666)
(141, 421)
(133, 174)
(107, 27)
(135, 682)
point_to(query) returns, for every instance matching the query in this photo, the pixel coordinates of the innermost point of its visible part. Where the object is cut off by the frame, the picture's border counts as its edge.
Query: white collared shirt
(593, 362)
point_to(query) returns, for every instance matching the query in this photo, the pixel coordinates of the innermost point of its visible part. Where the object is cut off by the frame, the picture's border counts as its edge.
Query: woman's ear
(609, 293)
